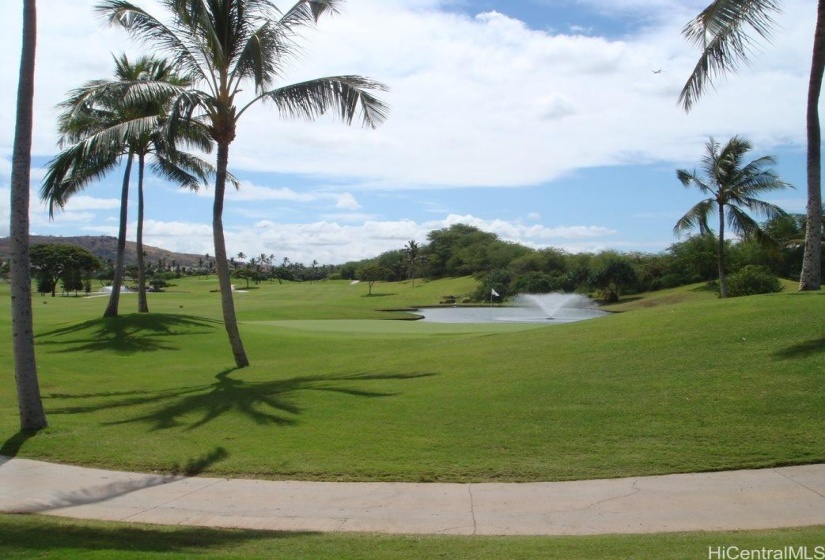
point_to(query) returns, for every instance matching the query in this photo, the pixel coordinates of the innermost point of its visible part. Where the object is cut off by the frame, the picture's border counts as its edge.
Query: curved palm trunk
(811, 277)
(143, 305)
(222, 263)
(30, 404)
(723, 284)
(117, 281)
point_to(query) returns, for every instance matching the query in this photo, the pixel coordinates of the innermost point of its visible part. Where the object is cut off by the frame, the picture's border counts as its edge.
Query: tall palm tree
(412, 251)
(721, 31)
(225, 44)
(30, 404)
(732, 186)
(103, 121)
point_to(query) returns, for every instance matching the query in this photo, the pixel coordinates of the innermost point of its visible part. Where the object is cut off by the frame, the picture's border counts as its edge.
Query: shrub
(751, 280)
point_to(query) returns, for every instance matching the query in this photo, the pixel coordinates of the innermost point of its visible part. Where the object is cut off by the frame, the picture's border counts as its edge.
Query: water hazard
(526, 308)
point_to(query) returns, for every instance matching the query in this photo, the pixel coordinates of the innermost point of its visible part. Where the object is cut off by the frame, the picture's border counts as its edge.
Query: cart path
(730, 500)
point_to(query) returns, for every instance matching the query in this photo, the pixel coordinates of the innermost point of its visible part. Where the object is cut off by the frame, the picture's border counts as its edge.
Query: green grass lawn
(336, 391)
(24, 536)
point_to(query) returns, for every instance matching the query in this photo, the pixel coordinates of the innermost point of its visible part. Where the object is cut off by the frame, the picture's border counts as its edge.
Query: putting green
(394, 327)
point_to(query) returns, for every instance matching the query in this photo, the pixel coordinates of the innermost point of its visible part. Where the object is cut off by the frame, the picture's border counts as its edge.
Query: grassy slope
(692, 385)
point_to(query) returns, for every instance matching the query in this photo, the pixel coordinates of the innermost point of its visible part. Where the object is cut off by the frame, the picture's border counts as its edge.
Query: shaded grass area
(23, 536)
(698, 384)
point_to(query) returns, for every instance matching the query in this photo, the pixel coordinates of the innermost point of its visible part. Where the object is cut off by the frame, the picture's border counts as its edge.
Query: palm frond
(70, 172)
(175, 173)
(182, 115)
(740, 222)
(347, 95)
(263, 56)
(762, 208)
(722, 32)
(690, 178)
(182, 47)
(697, 216)
(189, 133)
(307, 12)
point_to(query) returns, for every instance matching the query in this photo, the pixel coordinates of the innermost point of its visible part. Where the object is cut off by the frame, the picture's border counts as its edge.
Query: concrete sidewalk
(755, 499)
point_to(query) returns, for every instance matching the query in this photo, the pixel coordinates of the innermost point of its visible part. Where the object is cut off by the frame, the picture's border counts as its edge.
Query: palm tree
(224, 44)
(721, 31)
(412, 250)
(29, 402)
(732, 186)
(103, 121)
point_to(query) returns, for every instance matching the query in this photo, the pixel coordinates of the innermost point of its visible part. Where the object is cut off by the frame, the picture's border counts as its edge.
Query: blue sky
(539, 120)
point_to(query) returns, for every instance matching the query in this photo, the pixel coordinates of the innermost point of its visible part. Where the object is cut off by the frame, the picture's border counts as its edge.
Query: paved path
(755, 499)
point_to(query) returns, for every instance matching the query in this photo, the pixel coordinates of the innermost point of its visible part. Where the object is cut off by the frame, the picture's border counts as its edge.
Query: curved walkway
(750, 499)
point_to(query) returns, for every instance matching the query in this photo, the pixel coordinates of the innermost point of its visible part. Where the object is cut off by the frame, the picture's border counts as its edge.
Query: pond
(526, 308)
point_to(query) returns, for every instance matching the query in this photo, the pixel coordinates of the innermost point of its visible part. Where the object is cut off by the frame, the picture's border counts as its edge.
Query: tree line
(510, 268)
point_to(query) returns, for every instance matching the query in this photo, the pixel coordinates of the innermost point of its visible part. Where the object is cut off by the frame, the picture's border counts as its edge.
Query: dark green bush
(751, 280)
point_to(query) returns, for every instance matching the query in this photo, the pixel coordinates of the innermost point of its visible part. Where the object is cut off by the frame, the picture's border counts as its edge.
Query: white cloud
(251, 192)
(517, 232)
(350, 217)
(83, 202)
(490, 102)
(337, 241)
(347, 201)
(475, 101)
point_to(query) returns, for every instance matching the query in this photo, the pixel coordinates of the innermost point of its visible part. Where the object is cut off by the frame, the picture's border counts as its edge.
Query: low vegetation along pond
(527, 308)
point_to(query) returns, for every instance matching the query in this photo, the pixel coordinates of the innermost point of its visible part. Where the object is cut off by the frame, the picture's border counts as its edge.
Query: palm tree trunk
(811, 277)
(222, 263)
(30, 404)
(143, 305)
(117, 281)
(723, 284)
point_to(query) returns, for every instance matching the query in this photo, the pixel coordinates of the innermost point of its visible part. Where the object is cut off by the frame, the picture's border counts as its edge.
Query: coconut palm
(30, 404)
(732, 186)
(225, 44)
(103, 121)
(412, 250)
(721, 31)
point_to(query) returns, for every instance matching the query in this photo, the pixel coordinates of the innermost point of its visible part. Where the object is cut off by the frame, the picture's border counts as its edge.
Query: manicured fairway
(336, 391)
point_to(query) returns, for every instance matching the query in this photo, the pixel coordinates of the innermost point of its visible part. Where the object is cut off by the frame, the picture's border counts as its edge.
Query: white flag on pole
(493, 292)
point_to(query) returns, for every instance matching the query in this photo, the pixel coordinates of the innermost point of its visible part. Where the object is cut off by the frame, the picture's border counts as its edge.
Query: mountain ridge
(105, 248)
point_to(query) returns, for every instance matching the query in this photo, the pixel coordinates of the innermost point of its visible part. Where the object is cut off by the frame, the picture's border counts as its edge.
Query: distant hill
(105, 247)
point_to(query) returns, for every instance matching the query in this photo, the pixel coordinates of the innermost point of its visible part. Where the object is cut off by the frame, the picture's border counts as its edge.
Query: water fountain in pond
(525, 308)
(560, 306)
(108, 290)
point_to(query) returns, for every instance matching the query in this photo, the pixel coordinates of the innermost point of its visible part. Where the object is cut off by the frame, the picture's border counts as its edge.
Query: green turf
(336, 391)
(25, 536)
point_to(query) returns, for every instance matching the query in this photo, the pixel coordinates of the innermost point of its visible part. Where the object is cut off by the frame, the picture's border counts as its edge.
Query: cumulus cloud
(83, 202)
(251, 192)
(477, 100)
(338, 241)
(467, 93)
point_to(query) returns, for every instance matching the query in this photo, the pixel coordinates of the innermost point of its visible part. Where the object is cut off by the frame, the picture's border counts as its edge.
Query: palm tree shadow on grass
(266, 402)
(28, 535)
(802, 350)
(127, 334)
